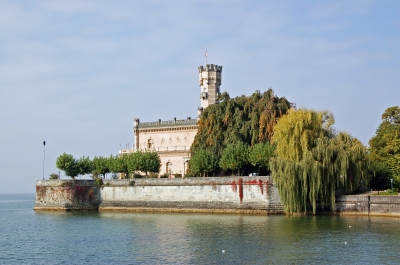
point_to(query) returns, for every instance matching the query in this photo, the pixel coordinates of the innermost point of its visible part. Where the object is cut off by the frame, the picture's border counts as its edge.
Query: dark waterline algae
(29, 237)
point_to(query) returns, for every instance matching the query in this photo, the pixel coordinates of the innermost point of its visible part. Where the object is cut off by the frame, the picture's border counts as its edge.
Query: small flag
(205, 54)
(44, 142)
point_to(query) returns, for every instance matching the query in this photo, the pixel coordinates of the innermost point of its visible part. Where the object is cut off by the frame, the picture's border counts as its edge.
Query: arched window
(169, 168)
(150, 144)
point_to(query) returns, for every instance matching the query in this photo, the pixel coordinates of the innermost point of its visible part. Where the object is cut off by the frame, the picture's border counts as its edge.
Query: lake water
(29, 237)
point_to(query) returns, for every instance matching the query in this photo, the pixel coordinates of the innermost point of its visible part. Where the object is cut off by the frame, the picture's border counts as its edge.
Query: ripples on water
(28, 237)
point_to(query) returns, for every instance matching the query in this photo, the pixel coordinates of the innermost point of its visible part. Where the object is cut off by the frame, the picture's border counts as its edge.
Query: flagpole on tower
(205, 55)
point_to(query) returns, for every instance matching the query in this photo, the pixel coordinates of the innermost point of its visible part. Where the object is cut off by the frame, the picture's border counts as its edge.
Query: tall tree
(246, 119)
(384, 148)
(312, 161)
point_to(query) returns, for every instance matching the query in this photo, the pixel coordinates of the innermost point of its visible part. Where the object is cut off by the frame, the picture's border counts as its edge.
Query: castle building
(172, 139)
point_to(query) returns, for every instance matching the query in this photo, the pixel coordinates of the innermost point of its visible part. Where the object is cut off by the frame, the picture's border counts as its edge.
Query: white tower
(209, 81)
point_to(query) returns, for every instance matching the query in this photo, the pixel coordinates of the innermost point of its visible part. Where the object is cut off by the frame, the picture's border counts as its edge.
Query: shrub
(95, 174)
(153, 175)
(99, 181)
(137, 176)
(54, 176)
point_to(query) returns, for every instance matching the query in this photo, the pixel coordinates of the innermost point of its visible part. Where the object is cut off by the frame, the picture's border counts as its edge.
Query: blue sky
(76, 73)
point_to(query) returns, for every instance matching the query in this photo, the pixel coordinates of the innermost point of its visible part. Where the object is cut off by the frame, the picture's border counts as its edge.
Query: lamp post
(44, 155)
(391, 184)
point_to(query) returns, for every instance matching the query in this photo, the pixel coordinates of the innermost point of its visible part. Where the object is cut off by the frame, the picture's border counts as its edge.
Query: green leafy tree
(235, 156)
(112, 164)
(202, 162)
(101, 165)
(84, 165)
(149, 162)
(311, 161)
(134, 161)
(260, 154)
(68, 164)
(384, 151)
(122, 164)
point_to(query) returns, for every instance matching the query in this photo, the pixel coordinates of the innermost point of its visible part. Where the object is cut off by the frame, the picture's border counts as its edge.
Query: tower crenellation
(210, 81)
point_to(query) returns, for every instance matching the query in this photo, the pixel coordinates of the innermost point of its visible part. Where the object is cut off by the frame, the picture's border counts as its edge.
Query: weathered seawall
(368, 205)
(253, 195)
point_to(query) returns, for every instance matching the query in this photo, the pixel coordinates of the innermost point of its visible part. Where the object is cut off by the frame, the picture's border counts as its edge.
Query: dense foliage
(203, 162)
(68, 164)
(148, 161)
(384, 151)
(126, 164)
(249, 120)
(312, 161)
(235, 156)
(100, 166)
(260, 154)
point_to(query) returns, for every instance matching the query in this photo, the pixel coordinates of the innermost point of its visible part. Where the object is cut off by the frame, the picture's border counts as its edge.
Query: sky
(76, 73)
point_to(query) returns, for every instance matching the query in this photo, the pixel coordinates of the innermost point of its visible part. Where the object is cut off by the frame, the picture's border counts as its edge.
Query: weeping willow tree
(312, 161)
(249, 120)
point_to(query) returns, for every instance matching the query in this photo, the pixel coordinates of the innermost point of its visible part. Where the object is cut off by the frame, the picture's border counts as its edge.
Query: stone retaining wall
(249, 195)
(55, 195)
(368, 205)
(256, 195)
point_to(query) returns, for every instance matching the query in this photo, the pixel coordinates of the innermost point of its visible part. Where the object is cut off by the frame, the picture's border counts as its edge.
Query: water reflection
(154, 238)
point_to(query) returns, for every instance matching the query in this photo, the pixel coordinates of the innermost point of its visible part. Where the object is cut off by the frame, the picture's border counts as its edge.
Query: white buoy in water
(349, 226)
(223, 251)
(345, 242)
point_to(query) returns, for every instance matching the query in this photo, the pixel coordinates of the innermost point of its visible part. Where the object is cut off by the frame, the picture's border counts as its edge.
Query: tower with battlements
(210, 82)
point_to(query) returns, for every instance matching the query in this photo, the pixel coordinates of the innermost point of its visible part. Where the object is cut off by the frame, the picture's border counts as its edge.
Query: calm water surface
(29, 237)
